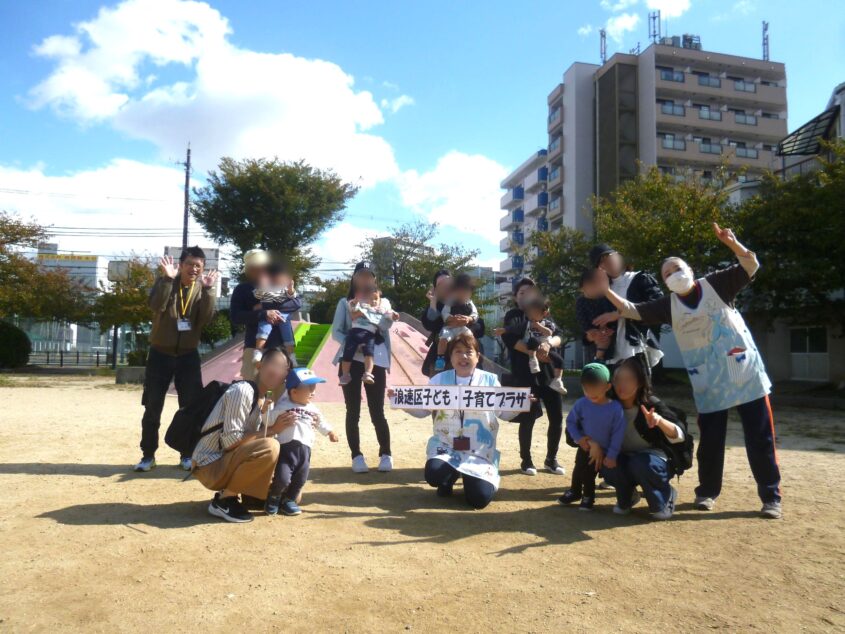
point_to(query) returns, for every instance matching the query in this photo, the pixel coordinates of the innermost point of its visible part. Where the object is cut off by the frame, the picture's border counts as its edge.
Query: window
(669, 142)
(709, 148)
(554, 174)
(669, 107)
(746, 152)
(707, 80)
(744, 86)
(670, 74)
(770, 115)
(555, 144)
(704, 112)
(769, 83)
(809, 353)
(812, 339)
(554, 115)
(768, 147)
(745, 119)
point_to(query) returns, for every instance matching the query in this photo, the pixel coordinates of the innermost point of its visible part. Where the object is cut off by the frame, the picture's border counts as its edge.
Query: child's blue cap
(301, 376)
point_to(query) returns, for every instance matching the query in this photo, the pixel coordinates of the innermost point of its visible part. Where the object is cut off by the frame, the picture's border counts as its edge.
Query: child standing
(590, 305)
(296, 441)
(597, 425)
(277, 292)
(367, 309)
(459, 303)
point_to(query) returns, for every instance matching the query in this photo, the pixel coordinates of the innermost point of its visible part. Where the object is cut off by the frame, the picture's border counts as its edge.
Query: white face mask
(680, 282)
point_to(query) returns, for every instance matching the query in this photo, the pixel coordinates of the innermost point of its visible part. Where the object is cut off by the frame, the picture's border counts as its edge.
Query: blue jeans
(640, 469)
(265, 328)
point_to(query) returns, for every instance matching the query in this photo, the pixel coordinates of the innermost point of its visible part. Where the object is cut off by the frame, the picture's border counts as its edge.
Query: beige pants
(248, 365)
(248, 468)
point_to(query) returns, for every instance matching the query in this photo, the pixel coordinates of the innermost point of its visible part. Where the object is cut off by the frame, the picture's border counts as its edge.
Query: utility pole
(187, 198)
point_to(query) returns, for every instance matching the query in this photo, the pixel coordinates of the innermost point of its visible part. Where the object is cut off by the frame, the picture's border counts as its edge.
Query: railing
(711, 115)
(554, 115)
(744, 86)
(554, 145)
(63, 358)
(746, 119)
(707, 80)
(554, 174)
(672, 75)
(710, 148)
(747, 152)
(674, 144)
(673, 109)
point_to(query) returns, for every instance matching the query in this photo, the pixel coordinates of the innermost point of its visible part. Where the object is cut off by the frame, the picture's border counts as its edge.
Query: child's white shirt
(373, 314)
(308, 419)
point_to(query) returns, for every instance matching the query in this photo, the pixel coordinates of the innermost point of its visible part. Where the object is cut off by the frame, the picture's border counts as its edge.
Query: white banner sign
(464, 397)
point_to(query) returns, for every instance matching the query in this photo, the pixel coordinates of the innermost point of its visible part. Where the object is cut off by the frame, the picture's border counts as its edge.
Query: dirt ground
(89, 545)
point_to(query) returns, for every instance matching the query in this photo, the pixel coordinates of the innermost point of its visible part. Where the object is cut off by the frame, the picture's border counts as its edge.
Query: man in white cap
(242, 309)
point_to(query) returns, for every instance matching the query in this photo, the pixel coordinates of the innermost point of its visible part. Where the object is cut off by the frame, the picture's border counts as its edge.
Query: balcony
(720, 90)
(710, 122)
(536, 203)
(504, 289)
(699, 154)
(555, 147)
(556, 207)
(555, 177)
(512, 198)
(672, 109)
(536, 179)
(512, 219)
(709, 148)
(555, 118)
(512, 241)
(673, 144)
(745, 119)
(542, 224)
(511, 263)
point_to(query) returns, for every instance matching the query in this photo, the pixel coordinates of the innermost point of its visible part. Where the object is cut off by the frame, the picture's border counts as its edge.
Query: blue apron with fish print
(723, 363)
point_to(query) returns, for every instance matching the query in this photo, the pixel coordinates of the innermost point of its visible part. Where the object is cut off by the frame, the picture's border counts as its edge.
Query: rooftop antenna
(654, 26)
(603, 45)
(635, 50)
(765, 40)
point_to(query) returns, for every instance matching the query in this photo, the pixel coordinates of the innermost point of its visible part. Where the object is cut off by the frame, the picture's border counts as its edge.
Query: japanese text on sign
(464, 397)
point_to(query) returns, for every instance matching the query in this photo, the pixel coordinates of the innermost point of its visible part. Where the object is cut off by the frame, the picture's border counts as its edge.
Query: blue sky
(427, 105)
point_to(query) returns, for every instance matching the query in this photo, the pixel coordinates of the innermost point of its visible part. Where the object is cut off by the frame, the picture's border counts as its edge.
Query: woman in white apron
(724, 367)
(463, 444)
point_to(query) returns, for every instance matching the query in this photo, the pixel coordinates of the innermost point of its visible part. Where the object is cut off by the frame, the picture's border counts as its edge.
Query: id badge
(183, 325)
(460, 443)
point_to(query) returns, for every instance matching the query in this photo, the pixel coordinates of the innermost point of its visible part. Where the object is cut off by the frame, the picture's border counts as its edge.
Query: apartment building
(673, 105)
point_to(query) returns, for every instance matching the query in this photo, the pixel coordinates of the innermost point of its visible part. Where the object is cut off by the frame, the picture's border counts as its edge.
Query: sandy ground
(88, 545)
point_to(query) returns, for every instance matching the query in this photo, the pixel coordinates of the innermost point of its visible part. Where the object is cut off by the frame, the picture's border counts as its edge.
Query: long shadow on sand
(134, 516)
(162, 472)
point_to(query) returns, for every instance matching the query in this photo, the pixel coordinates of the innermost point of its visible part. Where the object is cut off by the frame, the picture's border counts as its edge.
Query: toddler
(367, 309)
(459, 302)
(590, 305)
(295, 442)
(276, 292)
(597, 425)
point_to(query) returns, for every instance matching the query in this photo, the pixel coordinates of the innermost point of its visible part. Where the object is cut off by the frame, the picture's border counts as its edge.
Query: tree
(561, 257)
(796, 227)
(405, 263)
(217, 329)
(269, 204)
(655, 216)
(125, 303)
(325, 302)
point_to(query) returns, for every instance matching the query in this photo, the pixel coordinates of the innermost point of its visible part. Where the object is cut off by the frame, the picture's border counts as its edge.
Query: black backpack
(680, 454)
(185, 429)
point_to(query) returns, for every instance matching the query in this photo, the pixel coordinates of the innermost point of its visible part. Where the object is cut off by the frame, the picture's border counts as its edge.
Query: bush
(136, 358)
(14, 346)
(217, 329)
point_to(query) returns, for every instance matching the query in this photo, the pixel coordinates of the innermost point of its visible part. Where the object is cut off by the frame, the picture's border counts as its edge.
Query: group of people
(254, 447)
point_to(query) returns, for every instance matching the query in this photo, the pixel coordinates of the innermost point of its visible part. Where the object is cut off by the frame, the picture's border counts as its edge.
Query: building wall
(578, 146)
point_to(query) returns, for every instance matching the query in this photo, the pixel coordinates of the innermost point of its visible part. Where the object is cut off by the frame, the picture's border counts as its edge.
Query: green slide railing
(309, 339)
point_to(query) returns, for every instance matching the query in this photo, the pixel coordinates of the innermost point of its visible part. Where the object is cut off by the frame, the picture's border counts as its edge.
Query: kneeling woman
(463, 444)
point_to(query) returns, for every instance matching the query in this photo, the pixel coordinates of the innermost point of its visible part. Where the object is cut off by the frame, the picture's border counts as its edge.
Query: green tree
(125, 303)
(219, 328)
(655, 216)
(796, 227)
(406, 261)
(282, 207)
(557, 260)
(325, 301)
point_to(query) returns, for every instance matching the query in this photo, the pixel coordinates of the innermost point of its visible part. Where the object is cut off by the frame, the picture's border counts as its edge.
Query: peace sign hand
(651, 418)
(168, 266)
(209, 278)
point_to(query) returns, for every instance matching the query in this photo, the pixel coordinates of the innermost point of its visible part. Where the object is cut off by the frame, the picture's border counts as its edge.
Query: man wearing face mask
(632, 339)
(724, 367)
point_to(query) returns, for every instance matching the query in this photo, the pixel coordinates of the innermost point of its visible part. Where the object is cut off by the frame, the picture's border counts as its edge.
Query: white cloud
(669, 8)
(231, 101)
(462, 191)
(585, 30)
(618, 5)
(393, 105)
(618, 25)
(340, 246)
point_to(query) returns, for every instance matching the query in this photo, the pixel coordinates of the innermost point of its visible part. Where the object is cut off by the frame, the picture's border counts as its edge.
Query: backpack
(185, 429)
(680, 454)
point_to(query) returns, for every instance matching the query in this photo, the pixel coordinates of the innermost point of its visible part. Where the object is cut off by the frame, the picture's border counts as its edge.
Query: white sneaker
(528, 469)
(385, 464)
(604, 485)
(704, 504)
(359, 465)
(772, 511)
(557, 385)
(186, 464)
(669, 509)
(533, 364)
(635, 499)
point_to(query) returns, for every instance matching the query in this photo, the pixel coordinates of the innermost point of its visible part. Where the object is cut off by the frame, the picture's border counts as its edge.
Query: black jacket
(434, 326)
(679, 455)
(643, 288)
(515, 324)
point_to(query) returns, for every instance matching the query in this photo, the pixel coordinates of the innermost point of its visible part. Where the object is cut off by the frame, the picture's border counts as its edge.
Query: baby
(590, 305)
(459, 303)
(276, 292)
(366, 310)
(539, 330)
(295, 442)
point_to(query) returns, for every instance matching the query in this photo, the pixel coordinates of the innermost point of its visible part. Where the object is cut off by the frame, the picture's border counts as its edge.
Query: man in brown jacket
(182, 300)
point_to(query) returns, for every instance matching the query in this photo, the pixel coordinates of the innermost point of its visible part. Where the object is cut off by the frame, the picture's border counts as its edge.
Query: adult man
(243, 311)
(632, 339)
(182, 299)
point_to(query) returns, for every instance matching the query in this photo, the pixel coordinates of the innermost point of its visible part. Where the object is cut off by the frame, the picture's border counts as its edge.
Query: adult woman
(361, 277)
(724, 367)
(432, 319)
(463, 444)
(653, 447)
(521, 376)
(236, 456)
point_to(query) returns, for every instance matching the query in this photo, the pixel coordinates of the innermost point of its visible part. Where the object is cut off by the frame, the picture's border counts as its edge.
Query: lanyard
(184, 303)
(460, 411)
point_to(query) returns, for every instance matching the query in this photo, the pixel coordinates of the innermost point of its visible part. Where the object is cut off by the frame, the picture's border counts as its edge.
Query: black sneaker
(229, 509)
(586, 503)
(445, 490)
(527, 467)
(553, 466)
(569, 496)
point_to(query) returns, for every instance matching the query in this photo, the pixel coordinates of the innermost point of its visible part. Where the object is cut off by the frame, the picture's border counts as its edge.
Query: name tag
(183, 325)
(460, 443)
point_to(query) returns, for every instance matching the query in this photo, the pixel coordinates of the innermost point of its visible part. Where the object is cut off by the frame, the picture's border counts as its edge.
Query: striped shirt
(233, 410)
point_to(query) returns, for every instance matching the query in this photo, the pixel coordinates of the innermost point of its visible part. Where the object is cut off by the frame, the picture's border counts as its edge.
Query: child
(276, 292)
(590, 305)
(296, 440)
(459, 303)
(540, 329)
(366, 309)
(597, 425)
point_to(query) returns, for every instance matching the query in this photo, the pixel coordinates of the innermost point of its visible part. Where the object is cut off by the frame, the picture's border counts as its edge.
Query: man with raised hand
(182, 299)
